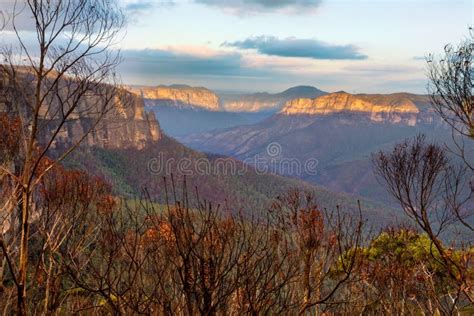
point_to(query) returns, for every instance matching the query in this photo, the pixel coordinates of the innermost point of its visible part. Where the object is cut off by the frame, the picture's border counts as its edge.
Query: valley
(198, 109)
(340, 130)
(121, 154)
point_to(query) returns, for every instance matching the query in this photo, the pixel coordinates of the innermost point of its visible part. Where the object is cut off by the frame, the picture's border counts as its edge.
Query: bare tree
(182, 260)
(266, 271)
(66, 198)
(322, 241)
(3, 19)
(111, 260)
(66, 74)
(450, 89)
(205, 245)
(429, 189)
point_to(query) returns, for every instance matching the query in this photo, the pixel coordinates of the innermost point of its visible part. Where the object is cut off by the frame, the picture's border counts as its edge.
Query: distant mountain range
(198, 109)
(184, 96)
(298, 125)
(263, 101)
(340, 130)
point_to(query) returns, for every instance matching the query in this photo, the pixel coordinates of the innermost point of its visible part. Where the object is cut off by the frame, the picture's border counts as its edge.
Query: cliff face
(394, 108)
(181, 96)
(124, 126)
(266, 101)
(251, 104)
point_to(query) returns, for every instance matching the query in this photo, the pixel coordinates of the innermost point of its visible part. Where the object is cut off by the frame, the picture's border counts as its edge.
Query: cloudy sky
(270, 45)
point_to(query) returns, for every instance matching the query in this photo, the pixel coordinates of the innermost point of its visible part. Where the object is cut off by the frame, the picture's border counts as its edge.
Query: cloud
(249, 7)
(138, 7)
(233, 70)
(293, 47)
(172, 62)
(420, 58)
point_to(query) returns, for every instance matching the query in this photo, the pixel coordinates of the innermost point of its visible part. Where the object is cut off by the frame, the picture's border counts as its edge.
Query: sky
(371, 46)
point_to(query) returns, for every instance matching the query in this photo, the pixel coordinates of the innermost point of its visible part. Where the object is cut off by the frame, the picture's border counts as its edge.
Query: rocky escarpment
(394, 108)
(251, 103)
(266, 101)
(124, 123)
(124, 126)
(101, 116)
(180, 96)
(183, 96)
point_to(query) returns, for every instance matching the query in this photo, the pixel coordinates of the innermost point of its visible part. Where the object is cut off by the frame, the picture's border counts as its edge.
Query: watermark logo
(274, 150)
(273, 161)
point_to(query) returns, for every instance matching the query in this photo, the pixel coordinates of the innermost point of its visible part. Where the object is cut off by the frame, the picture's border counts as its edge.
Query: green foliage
(106, 164)
(407, 247)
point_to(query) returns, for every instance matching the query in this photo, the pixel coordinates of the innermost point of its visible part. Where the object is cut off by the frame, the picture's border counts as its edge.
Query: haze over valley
(340, 130)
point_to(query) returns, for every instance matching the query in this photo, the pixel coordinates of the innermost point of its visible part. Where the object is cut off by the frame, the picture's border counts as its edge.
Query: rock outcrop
(251, 103)
(180, 96)
(123, 121)
(124, 126)
(395, 108)
(183, 96)
(266, 101)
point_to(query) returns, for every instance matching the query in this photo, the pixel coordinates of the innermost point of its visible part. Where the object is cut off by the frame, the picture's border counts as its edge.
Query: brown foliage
(10, 129)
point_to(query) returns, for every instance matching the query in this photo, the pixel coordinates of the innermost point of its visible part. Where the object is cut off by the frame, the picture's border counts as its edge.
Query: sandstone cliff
(393, 108)
(251, 104)
(183, 96)
(266, 101)
(180, 95)
(125, 126)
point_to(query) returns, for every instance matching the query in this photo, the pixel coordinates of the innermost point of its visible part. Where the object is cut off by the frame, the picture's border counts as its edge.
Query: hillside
(219, 179)
(128, 138)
